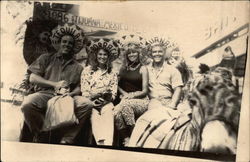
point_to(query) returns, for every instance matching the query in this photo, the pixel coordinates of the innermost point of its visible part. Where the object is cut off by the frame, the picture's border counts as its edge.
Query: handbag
(60, 113)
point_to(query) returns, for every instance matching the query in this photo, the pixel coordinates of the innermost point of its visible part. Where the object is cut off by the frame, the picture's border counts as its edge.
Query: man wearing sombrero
(165, 81)
(52, 72)
(165, 86)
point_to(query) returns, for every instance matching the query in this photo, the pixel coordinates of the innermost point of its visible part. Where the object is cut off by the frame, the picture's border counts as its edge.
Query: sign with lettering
(65, 17)
(39, 29)
(220, 27)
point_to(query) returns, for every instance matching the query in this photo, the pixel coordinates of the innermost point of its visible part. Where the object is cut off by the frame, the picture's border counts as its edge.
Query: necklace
(133, 68)
(157, 71)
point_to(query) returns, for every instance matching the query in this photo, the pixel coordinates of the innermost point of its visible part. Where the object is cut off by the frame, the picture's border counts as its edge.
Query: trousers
(34, 109)
(102, 122)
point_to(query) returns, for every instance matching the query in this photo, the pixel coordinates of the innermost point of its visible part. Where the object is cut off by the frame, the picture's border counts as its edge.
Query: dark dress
(130, 81)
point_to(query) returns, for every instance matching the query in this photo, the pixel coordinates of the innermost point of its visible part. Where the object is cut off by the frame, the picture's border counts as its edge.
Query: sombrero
(165, 43)
(131, 40)
(67, 29)
(103, 43)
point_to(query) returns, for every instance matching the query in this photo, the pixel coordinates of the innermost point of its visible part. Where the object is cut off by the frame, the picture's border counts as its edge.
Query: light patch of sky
(184, 21)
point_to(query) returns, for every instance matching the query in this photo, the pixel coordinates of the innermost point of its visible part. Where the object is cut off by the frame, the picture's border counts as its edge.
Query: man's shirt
(52, 67)
(163, 81)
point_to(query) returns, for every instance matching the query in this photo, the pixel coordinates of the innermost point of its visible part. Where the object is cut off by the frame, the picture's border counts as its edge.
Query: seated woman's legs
(125, 119)
(103, 125)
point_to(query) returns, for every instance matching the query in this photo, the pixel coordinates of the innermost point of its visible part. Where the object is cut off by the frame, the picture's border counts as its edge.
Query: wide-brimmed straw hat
(163, 42)
(68, 29)
(131, 41)
(94, 45)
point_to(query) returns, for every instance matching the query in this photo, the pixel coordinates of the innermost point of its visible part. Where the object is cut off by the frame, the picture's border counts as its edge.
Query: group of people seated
(113, 100)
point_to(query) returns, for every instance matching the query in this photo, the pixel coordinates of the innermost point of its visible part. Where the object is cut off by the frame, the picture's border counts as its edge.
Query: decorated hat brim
(94, 45)
(68, 29)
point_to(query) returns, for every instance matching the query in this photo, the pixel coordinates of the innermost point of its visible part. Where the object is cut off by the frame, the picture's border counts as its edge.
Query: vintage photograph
(157, 77)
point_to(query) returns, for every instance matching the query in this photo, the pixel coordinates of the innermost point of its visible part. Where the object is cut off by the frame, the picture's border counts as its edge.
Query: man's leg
(34, 108)
(83, 109)
(25, 135)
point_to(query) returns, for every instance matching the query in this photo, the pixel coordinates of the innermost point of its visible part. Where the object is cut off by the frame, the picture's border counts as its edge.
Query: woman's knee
(127, 112)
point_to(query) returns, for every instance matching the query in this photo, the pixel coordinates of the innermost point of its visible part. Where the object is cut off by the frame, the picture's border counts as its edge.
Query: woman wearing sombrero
(133, 86)
(99, 88)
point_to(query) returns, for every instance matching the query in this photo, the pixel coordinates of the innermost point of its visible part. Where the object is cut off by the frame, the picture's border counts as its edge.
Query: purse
(60, 113)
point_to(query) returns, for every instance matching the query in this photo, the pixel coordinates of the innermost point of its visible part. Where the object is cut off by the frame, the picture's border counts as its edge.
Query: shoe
(36, 139)
(66, 142)
(100, 142)
(126, 142)
(41, 137)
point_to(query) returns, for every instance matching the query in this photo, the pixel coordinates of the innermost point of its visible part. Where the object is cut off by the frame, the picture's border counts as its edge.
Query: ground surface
(11, 122)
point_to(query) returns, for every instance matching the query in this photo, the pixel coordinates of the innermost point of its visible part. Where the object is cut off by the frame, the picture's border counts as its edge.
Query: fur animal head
(217, 98)
(216, 104)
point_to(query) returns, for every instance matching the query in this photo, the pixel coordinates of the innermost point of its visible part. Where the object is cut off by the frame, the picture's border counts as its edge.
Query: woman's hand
(95, 95)
(128, 96)
(117, 109)
(100, 102)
